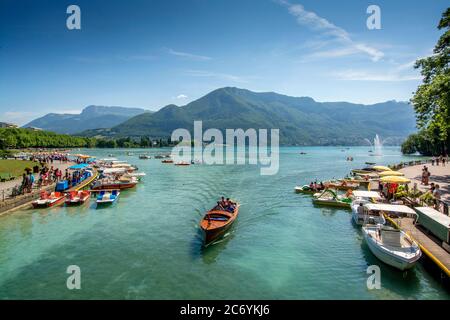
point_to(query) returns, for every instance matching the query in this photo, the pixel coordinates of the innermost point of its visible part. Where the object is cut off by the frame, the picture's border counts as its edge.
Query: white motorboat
(392, 246)
(360, 214)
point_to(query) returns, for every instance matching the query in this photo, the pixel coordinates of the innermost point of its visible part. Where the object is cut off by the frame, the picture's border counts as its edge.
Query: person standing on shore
(433, 160)
(444, 160)
(437, 197)
(437, 161)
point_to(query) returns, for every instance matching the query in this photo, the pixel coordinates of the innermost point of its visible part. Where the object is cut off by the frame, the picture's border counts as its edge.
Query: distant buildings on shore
(8, 125)
(12, 125)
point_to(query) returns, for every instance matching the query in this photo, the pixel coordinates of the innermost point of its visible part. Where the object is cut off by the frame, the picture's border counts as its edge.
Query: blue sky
(152, 53)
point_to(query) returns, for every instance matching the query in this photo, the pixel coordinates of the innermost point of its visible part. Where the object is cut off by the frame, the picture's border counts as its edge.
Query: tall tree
(431, 101)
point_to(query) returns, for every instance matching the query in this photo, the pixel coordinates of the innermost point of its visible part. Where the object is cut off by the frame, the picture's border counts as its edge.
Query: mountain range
(301, 120)
(91, 117)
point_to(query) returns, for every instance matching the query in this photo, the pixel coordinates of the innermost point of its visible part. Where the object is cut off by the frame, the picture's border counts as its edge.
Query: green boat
(330, 198)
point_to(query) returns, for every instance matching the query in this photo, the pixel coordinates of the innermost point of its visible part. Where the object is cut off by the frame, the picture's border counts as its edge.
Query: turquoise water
(148, 246)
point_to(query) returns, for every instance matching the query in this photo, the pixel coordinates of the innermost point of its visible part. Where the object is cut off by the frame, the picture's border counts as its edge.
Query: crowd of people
(314, 186)
(225, 205)
(49, 158)
(442, 159)
(388, 190)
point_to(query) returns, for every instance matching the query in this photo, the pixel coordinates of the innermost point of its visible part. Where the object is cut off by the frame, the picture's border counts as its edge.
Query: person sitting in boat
(219, 206)
(230, 205)
(223, 203)
(311, 186)
(321, 187)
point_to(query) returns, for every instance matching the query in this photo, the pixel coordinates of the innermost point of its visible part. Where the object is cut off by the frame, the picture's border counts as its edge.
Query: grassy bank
(15, 168)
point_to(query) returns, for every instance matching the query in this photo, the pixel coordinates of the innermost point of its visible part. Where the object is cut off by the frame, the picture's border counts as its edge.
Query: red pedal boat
(77, 197)
(47, 200)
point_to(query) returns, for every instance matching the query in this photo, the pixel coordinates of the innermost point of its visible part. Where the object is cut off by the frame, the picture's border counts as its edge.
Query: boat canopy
(382, 168)
(389, 208)
(79, 166)
(435, 215)
(394, 179)
(113, 170)
(366, 194)
(391, 173)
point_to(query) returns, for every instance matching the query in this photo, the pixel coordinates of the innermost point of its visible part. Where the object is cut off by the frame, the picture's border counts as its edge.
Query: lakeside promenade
(11, 204)
(439, 175)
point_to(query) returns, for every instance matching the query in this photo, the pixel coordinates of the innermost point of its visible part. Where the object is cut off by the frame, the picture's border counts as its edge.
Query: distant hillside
(301, 120)
(92, 117)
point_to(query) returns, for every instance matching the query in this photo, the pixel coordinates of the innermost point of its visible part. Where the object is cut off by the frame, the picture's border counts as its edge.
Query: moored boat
(167, 161)
(216, 222)
(47, 200)
(183, 163)
(115, 184)
(77, 197)
(392, 246)
(107, 197)
(330, 198)
(304, 189)
(374, 213)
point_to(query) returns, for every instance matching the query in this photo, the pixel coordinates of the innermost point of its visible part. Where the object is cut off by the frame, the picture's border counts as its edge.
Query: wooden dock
(429, 246)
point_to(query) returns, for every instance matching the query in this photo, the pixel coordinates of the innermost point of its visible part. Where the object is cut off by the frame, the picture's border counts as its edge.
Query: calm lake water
(148, 245)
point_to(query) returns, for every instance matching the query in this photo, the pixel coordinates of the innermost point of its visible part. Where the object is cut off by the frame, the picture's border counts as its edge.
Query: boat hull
(47, 204)
(116, 186)
(210, 236)
(389, 259)
(331, 203)
(76, 202)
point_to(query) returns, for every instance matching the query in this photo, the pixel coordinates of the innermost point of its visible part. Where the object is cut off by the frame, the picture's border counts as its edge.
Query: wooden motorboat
(77, 197)
(392, 246)
(330, 198)
(47, 200)
(216, 222)
(167, 161)
(182, 163)
(116, 184)
(144, 156)
(107, 197)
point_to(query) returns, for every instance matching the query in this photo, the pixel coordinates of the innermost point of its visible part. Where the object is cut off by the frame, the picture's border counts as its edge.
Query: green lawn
(15, 167)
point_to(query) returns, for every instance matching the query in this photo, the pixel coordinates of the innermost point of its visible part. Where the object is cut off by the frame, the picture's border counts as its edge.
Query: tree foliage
(431, 101)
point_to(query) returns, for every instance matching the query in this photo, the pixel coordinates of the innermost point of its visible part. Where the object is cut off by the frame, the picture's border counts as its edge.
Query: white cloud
(316, 23)
(17, 117)
(188, 55)
(181, 96)
(361, 75)
(221, 76)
